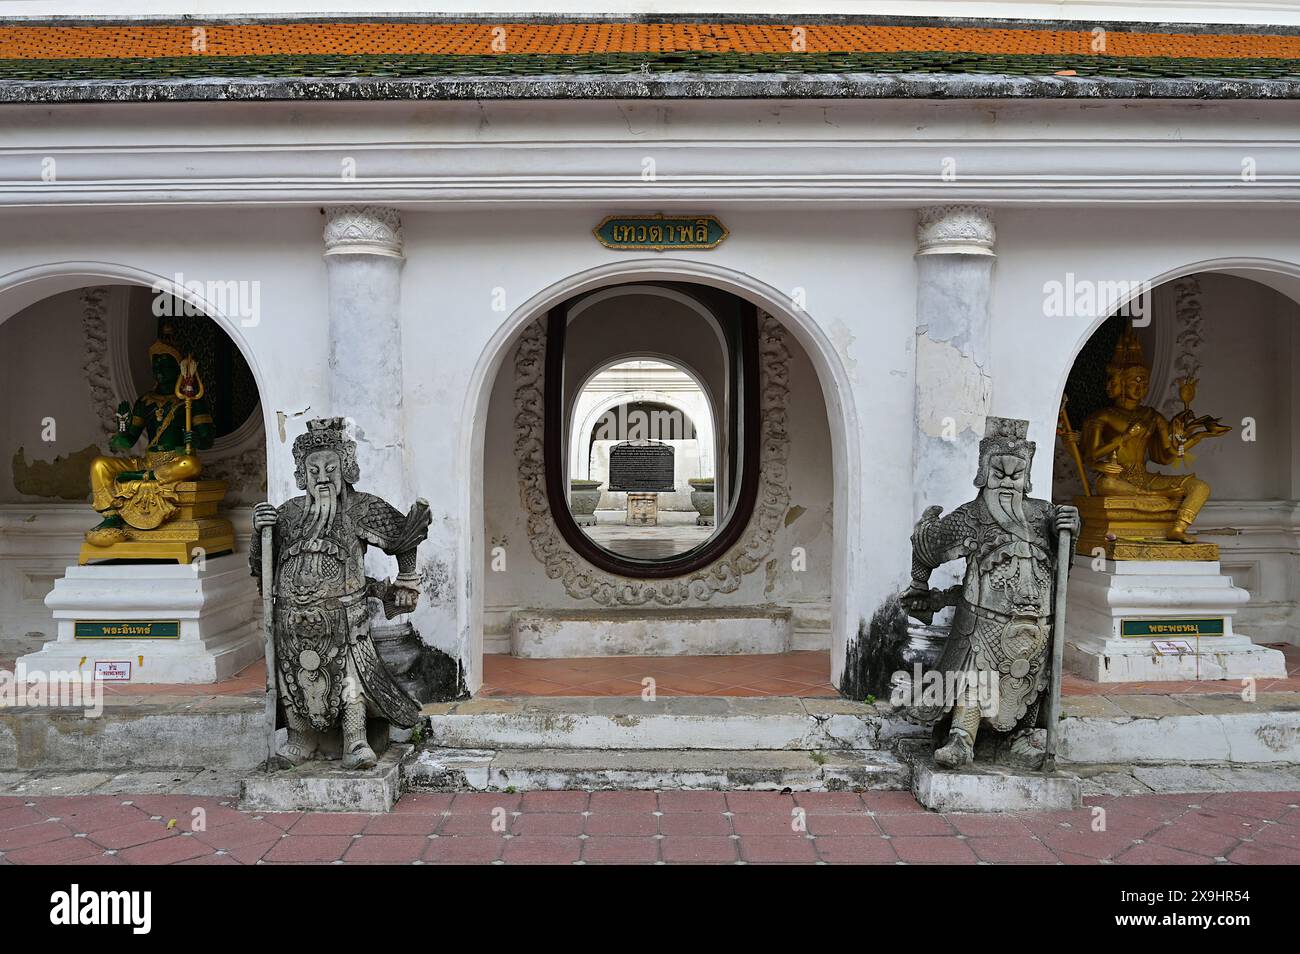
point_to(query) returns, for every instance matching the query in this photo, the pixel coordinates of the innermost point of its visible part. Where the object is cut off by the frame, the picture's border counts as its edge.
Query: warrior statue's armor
(999, 644)
(327, 668)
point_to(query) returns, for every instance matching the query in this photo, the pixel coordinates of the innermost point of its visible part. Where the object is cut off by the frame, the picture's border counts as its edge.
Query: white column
(363, 258)
(954, 259)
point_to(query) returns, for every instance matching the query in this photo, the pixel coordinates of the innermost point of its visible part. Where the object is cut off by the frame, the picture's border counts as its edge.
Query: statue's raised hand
(120, 442)
(264, 515)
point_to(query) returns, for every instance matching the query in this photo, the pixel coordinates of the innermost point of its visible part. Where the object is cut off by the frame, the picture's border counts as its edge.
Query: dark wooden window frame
(750, 433)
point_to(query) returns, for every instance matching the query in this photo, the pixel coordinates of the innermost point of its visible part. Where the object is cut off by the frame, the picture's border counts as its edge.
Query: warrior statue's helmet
(1004, 436)
(325, 433)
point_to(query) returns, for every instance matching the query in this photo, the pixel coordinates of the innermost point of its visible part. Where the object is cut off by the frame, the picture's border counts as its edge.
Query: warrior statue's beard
(1008, 514)
(322, 505)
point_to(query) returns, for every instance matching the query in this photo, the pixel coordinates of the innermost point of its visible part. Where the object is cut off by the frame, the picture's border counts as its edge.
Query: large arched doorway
(790, 562)
(1234, 330)
(77, 342)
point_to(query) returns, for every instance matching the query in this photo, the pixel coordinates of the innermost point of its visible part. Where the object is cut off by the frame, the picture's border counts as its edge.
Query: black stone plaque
(641, 468)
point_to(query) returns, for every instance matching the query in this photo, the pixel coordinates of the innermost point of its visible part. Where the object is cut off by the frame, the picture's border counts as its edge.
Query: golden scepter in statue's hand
(189, 388)
(1071, 438)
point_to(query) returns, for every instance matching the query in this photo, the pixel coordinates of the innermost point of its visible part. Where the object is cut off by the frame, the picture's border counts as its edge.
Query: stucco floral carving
(583, 581)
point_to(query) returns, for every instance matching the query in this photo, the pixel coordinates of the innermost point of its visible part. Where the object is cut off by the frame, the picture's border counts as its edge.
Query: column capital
(955, 230)
(363, 230)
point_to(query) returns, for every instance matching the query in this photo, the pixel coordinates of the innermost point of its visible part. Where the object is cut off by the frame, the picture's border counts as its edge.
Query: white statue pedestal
(199, 623)
(1159, 620)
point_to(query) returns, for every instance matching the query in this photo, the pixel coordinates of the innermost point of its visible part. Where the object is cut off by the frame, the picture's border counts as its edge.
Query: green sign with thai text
(1171, 628)
(660, 233)
(126, 629)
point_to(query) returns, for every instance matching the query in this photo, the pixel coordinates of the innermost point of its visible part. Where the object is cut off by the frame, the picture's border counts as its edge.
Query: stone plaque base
(993, 788)
(327, 787)
(1158, 591)
(213, 606)
(642, 510)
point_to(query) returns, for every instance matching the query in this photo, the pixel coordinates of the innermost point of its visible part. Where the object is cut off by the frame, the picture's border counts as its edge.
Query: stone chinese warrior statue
(328, 672)
(138, 494)
(1118, 442)
(996, 661)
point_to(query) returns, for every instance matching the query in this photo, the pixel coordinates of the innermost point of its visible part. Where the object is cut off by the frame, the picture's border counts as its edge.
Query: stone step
(155, 732)
(676, 722)
(521, 770)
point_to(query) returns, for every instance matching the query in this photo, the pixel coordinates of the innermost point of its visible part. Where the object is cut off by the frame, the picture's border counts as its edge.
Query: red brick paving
(649, 827)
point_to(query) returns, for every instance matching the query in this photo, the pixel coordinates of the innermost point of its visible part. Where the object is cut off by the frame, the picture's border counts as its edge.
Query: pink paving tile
(770, 849)
(979, 826)
(135, 833)
(484, 802)
(62, 851)
(241, 833)
(424, 803)
(330, 823)
(554, 802)
(212, 859)
(1011, 850)
(927, 850)
(1199, 841)
(692, 850)
(403, 823)
(548, 823)
(604, 850)
(695, 823)
(1284, 836)
(891, 803)
(109, 816)
(844, 824)
(464, 849)
(19, 816)
(820, 802)
(622, 823)
(252, 853)
(856, 851)
(544, 850)
(169, 851)
(301, 848)
(387, 849)
(32, 835)
(914, 824)
(1149, 854)
(482, 822)
(756, 823)
(1261, 854)
(624, 802)
(765, 802)
(1091, 844)
(687, 801)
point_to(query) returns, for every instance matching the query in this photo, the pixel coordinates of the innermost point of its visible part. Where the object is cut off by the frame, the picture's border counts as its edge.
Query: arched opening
(78, 344)
(1184, 418)
(542, 592)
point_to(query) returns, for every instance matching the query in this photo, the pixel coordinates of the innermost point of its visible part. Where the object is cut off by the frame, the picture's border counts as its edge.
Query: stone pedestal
(1159, 620)
(197, 624)
(584, 495)
(327, 787)
(196, 528)
(993, 788)
(642, 510)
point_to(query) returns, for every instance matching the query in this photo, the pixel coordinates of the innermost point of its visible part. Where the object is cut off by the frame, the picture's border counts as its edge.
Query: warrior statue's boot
(357, 753)
(1025, 752)
(302, 740)
(960, 750)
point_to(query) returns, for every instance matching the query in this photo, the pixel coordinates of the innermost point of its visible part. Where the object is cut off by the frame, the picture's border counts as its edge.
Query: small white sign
(113, 671)
(1172, 647)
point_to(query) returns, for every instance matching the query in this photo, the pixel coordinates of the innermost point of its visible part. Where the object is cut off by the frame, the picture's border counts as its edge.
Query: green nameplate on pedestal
(1171, 628)
(126, 629)
(660, 233)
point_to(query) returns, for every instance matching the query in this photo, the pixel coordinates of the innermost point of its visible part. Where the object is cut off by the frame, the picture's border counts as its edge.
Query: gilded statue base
(196, 526)
(1134, 528)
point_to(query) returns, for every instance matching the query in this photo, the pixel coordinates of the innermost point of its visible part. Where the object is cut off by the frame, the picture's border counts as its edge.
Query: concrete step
(155, 732)
(436, 769)
(676, 722)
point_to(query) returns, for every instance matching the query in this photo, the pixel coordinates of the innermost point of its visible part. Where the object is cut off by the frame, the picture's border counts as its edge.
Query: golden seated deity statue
(1134, 513)
(153, 506)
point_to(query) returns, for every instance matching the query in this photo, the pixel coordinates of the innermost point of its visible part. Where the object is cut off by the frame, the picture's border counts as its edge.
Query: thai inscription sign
(641, 468)
(126, 629)
(660, 233)
(1171, 628)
